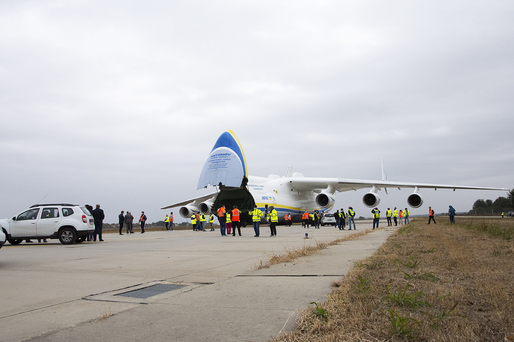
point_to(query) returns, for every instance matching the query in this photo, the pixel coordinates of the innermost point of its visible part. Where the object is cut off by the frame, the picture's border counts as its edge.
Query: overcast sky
(120, 102)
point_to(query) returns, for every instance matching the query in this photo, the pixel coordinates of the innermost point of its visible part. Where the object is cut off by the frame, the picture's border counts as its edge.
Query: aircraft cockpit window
(30, 214)
(50, 213)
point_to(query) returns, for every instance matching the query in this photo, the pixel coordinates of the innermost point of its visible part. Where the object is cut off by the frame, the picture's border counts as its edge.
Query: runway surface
(170, 286)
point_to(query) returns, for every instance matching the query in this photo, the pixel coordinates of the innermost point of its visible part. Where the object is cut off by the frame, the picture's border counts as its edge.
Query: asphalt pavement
(170, 286)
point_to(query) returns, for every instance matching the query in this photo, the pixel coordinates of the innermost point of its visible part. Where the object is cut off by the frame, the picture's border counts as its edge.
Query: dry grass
(296, 253)
(426, 283)
(105, 314)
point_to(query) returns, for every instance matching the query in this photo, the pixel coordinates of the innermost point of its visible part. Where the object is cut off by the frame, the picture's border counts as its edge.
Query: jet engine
(371, 199)
(187, 210)
(205, 207)
(415, 200)
(322, 200)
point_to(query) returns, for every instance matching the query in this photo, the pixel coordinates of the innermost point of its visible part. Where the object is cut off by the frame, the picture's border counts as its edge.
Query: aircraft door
(25, 223)
(48, 222)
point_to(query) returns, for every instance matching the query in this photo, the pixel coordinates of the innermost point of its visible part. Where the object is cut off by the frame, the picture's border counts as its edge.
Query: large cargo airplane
(226, 171)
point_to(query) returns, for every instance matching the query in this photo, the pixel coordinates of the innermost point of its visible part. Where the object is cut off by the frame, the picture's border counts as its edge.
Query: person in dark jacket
(129, 221)
(121, 220)
(98, 216)
(142, 220)
(451, 212)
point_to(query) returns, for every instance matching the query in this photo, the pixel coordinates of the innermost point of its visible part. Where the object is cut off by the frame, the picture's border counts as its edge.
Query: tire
(14, 241)
(67, 236)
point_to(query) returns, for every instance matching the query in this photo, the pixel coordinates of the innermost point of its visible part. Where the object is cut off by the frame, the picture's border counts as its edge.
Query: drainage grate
(151, 291)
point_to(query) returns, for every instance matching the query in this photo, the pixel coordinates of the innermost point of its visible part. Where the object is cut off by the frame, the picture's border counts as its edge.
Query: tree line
(488, 207)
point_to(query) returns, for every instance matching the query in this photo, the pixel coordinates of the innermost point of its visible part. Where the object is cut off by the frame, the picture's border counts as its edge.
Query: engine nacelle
(205, 207)
(187, 211)
(415, 200)
(322, 200)
(371, 200)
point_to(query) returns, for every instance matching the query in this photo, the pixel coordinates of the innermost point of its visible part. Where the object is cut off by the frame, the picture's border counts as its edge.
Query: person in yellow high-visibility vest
(211, 221)
(167, 222)
(203, 219)
(193, 221)
(273, 221)
(256, 215)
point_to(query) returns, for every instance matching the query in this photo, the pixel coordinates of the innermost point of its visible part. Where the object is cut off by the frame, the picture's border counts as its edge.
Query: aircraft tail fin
(226, 163)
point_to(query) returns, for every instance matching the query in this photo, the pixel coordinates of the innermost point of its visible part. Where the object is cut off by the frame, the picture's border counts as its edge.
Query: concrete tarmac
(170, 286)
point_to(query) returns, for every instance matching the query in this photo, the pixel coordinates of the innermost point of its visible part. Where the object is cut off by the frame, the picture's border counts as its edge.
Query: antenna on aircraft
(384, 176)
(289, 171)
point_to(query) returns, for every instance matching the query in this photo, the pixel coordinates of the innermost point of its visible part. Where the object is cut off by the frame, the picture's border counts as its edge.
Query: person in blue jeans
(351, 218)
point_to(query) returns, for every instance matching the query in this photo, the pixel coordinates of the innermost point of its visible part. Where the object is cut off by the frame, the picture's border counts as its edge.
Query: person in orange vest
(142, 220)
(170, 219)
(431, 213)
(236, 223)
(287, 219)
(222, 220)
(305, 220)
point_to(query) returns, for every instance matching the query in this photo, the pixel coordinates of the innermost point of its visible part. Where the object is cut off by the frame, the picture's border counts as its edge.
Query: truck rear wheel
(67, 236)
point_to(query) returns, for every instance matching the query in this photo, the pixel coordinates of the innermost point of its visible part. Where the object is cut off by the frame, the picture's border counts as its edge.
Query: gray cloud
(119, 103)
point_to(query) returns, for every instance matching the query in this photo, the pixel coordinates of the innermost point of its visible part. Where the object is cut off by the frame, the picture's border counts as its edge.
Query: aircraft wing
(199, 199)
(344, 184)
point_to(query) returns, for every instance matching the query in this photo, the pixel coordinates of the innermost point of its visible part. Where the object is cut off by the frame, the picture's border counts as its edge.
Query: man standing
(305, 220)
(451, 212)
(236, 222)
(121, 220)
(342, 220)
(431, 213)
(273, 221)
(256, 218)
(287, 219)
(193, 221)
(129, 221)
(351, 218)
(98, 216)
(389, 213)
(222, 220)
(376, 217)
(406, 214)
(316, 219)
(167, 222)
(395, 216)
(211, 221)
(142, 220)
(203, 219)
(170, 219)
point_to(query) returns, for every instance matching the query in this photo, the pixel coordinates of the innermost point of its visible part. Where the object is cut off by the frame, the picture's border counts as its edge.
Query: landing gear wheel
(14, 241)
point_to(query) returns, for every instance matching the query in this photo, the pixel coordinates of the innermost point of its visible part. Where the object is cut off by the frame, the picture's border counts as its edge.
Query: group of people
(127, 220)
(229, 221)
(398, 216)
(199, 221)
(169, 221)
(341, 218)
